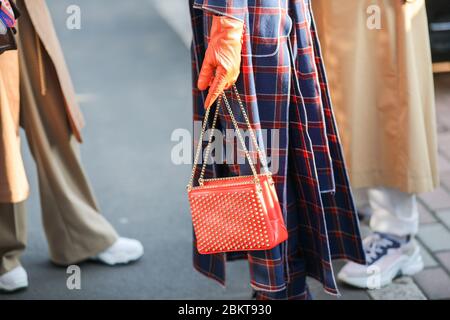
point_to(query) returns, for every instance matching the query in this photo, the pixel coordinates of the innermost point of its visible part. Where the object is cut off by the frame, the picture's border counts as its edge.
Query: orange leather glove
(222, 63)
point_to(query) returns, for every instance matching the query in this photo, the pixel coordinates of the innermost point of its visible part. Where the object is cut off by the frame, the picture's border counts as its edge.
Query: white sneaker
(387, 258)
(14, 280)
(123, 251)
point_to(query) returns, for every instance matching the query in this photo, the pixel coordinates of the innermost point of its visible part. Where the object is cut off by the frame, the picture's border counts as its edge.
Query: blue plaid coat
(284, 87)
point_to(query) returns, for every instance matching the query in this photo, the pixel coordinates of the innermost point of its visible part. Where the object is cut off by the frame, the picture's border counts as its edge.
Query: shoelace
(375, 246)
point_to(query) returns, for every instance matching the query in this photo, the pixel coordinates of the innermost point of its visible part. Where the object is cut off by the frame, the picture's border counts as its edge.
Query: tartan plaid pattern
(233, 8)
(284, 87)
(7, 14)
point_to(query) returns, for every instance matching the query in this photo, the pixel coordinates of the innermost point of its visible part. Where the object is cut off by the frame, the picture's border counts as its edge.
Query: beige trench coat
(382, 91)
(13, 181)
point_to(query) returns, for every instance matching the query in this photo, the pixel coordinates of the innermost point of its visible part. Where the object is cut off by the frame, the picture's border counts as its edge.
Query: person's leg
(361, 197)
(13, 235)
(362, 203)
(391, 249)
(13, 238)
(393, 212)
(74, 228)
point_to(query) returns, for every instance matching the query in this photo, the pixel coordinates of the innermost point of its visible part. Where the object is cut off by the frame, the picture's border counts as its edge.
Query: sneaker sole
(123, 260)
(408, 266)
(17, 287)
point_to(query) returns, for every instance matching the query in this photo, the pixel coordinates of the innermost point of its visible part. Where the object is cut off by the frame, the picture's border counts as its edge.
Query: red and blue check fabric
(7, 14)
(284, 87)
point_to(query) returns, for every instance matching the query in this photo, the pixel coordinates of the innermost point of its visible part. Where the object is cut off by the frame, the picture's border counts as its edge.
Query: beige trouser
(74, 228)
(391, 211)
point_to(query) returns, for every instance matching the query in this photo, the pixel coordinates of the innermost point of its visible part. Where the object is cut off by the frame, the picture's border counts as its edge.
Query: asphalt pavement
(130, 64)
(132, 74)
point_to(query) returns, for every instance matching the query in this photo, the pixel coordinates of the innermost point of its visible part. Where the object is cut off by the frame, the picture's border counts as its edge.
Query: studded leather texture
(235, 214)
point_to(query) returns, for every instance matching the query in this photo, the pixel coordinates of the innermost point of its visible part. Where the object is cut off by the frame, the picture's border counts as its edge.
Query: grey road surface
(131, 68)
(132, 73)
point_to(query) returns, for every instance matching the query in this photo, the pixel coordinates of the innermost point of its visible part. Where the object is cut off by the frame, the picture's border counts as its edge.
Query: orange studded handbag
(239, 213)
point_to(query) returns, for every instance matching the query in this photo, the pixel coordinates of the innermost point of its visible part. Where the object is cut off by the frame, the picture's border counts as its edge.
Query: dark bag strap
(7, 42)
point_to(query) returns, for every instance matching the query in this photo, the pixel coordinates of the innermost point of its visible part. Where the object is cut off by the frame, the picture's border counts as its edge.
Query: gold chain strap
(199, 147)
(241, 139)
(261, 154)
(208, 147)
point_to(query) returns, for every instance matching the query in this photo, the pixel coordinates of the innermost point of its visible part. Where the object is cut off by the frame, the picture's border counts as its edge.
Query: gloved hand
(222, 63)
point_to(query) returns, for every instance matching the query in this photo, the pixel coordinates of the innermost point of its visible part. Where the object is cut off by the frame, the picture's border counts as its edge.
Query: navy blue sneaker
(387, 257)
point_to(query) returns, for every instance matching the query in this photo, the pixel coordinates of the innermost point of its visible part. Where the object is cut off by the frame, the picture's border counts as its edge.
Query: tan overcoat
(382, 90)
(13, 181)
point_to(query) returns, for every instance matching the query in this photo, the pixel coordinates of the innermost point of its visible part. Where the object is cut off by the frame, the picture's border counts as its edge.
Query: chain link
(241, 139)
(261, 154)
(199, 149)
(208, 147)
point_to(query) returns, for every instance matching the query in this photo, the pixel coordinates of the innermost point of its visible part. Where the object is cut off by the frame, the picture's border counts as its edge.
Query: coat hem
(12, 197)
(376, 179)
(210, 276)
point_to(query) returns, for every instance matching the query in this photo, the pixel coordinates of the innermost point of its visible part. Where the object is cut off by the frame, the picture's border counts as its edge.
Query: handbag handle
(261, 154)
